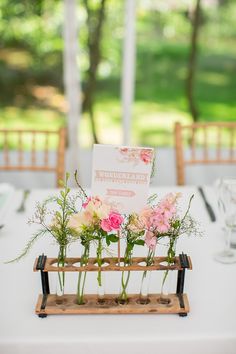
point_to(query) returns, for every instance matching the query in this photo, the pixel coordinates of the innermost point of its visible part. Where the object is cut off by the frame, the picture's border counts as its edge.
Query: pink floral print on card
(135, 155)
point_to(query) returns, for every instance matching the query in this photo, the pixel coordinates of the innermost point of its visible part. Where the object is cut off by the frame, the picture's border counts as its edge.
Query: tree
(192, 61)
(95, 21)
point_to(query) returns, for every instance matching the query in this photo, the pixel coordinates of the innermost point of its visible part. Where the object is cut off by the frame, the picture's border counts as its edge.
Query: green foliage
(28, 246)
(31, 48)
(111, 238)
(132, 239)
(139, 242)
(53, 223)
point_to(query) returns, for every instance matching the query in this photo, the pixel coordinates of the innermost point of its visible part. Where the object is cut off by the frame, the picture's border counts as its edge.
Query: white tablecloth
(210, 327)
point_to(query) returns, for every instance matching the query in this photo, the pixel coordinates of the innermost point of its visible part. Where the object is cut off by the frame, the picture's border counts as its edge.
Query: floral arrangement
(97, 221)
(93, 220)
(162, 220)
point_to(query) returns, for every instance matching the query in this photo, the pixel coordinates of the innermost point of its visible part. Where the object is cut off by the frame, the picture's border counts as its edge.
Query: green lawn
(159, 97)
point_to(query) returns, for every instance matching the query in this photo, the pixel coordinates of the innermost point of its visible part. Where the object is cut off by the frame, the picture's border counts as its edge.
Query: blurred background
(184, 64)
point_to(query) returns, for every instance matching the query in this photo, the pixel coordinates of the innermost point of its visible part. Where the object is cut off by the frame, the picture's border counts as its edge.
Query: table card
(121, 174)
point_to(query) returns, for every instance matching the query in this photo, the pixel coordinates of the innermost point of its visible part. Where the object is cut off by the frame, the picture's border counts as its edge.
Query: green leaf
(176, 224)
(113, 238)
(58, 215)
(130, 246)
(139, 242)
(61, 183)
(152, 199)
(103, 233)
(59, 202)
(107, 240)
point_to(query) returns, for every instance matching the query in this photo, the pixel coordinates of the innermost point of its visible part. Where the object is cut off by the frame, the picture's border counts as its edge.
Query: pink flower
(116, 220)
(124, 149)
(93, 201)
(168, 205)
(146, 215)
(163, 225)
(105, 225)
(155, 218)
(159, 221)
(146, 155)
(113, 222)
(150, 240)
(136, 223)
(84, 205)
(167, 209)
(146, 212)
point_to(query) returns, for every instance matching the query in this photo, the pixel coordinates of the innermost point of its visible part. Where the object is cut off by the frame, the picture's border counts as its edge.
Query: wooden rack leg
(180, 290)
(45, 283)
(180, 281)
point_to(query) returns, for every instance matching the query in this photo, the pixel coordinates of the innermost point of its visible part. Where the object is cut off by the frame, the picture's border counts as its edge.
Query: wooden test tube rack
(47, 303)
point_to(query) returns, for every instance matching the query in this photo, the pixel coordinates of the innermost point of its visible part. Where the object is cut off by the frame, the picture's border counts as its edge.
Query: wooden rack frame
(47, 303)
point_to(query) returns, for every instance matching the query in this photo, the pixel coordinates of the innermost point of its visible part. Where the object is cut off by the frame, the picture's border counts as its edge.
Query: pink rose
(146, 155)
(113, 222)
(105, 225)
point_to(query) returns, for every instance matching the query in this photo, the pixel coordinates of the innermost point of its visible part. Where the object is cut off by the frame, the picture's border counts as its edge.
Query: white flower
(77, 221)
(100, 210)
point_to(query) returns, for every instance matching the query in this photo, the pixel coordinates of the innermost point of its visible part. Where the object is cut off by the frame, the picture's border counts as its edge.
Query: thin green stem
(61, 263)
(124, 283)
(79, 185)
(170, 260)
(82, 275)
(149, 262)
(99, 261)
(125, 274)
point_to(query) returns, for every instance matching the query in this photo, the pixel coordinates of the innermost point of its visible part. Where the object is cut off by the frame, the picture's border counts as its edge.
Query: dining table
(209, 327)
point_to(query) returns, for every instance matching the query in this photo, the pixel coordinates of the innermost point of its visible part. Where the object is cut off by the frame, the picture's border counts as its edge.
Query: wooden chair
(204, 143)
(28, 150)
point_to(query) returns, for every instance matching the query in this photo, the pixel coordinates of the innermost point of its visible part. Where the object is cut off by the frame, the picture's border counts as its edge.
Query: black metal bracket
(42, 315)
(45, 282)
(180, 281)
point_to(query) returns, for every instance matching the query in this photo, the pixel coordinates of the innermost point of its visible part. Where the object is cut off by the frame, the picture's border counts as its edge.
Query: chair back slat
(204, 138)
(46, 148)
(205, 144)
(20, 149)
(231, 148)
(218, 149)
(193, 144)
(31, 163)
(179, 154)
(33, 149)
(5, 148)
